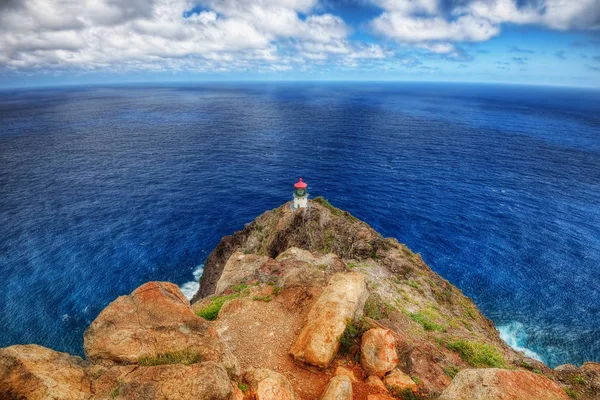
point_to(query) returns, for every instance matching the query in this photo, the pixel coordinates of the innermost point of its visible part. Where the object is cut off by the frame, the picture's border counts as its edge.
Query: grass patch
(184, 357)
(243, 387)
(451, 371)
(322, 201)
(211, 311)
(412, 284)
(266, 299)
(477, 354)
(376, 308)
(426, 322)
(579, 380)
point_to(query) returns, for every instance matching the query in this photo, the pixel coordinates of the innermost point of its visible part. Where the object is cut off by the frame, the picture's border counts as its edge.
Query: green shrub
(184, 357)
(425, 322)
(571, 393)
(579, 380)
(451, 371)
(243, 387)
(211, 311)
(477, 354)
(349, 341)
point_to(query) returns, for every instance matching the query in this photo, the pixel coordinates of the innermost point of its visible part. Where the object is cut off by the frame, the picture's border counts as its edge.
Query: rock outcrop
(501, 384)
(300, 297)
(339, 388)
(341, 302)
(34, 372)
(155, 320)
(399, 383)
(378, 352)
(269, 385)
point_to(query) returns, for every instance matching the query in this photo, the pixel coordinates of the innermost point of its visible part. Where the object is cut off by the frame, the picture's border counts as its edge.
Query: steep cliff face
(299, 305)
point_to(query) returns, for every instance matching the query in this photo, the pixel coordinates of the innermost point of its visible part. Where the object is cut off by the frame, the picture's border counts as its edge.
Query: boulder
(206, 381)
(398, 382)
(591, 367)
(265, 384)
(501, 384)
(238, 267)
(376, 383)
(341, 301)
(339, 388)
(34, 372)
(378, 354)
(343, 371)
(156, 319)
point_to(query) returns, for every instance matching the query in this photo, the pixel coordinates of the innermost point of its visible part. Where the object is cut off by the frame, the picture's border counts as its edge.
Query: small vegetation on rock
(477, 354)
(243, 387)
(426, 322)
(211, 311)
(266, 299)
(412, 284)
(376, 308)
(406, 394)
(451, 371)
(184, 357)
(570, 392)
(115, 392)
(579, 380)
(350, 340)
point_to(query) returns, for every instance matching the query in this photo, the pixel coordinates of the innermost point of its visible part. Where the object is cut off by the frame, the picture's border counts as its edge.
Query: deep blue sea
(498, 187)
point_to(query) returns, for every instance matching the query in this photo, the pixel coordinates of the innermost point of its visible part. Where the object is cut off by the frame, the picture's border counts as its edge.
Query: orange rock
(376, 383)
(501, 384)
(34, 372)
(269, 385)
(379, 397)
(155, 319)
(339, 388)
(342, 300)
(207, 381)
(398, 382)
(343, 371)
(378, 352)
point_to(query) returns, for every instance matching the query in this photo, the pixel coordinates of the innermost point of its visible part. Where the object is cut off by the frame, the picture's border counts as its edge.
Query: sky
(543, 42)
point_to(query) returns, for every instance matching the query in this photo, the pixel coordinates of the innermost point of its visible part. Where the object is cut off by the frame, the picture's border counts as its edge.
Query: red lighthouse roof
(300, 184)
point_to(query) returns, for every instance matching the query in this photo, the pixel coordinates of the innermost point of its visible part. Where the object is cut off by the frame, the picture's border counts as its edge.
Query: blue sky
(54, 42)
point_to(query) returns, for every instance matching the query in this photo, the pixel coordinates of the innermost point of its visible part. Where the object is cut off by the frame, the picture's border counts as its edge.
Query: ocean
(498, 188)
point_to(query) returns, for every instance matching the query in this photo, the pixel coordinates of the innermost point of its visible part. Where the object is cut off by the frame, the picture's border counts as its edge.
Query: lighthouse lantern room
(300, 195)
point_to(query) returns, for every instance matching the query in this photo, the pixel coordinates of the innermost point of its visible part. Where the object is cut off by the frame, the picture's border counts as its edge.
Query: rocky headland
(300, 304)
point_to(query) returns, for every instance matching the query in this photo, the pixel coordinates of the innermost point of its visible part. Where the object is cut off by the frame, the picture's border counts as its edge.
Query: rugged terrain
(305, 304)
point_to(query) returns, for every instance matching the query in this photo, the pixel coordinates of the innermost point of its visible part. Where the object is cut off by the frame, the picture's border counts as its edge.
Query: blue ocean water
(498, 187)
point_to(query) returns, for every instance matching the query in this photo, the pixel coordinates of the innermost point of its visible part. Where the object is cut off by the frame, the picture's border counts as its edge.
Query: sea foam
(515, 336)
(190, 288)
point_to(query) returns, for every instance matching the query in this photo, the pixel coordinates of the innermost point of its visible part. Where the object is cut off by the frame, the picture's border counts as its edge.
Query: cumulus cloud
(150, 34)
(435, 24)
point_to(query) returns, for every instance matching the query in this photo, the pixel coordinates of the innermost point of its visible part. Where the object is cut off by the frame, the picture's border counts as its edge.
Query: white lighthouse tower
(300, 195)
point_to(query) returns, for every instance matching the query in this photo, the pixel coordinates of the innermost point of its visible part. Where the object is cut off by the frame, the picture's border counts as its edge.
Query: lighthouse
(300, 195)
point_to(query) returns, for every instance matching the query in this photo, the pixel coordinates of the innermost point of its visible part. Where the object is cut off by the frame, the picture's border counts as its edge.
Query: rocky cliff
(306, 304)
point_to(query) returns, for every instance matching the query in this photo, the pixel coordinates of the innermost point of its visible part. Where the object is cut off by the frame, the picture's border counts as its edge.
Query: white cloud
(406, 29)
(426, 24)
(92, 34)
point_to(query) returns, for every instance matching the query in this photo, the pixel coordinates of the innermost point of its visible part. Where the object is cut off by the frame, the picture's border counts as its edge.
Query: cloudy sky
(44, 42)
